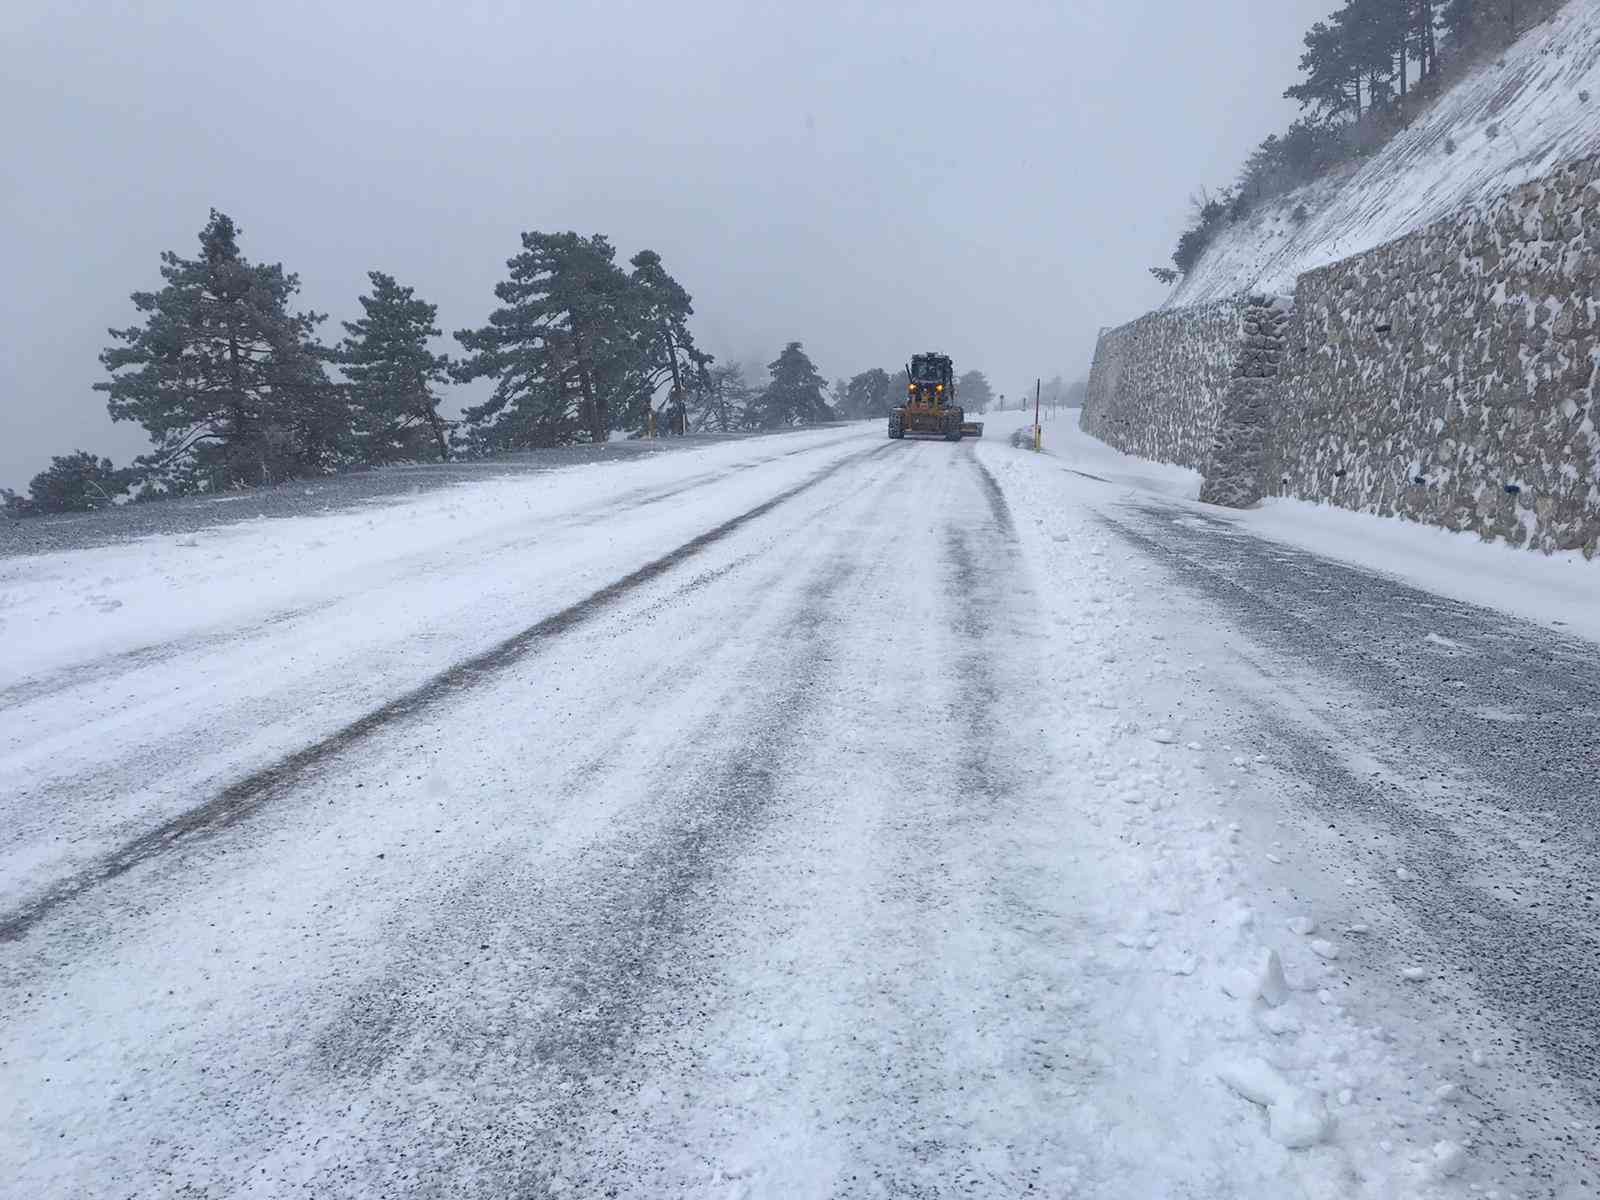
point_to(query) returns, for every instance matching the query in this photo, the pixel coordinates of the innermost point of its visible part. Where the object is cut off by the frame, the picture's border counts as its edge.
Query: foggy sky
(991, 178)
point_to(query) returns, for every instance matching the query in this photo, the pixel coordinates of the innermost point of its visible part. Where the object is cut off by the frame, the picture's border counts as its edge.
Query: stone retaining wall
(1156, 388)
(1448, 377)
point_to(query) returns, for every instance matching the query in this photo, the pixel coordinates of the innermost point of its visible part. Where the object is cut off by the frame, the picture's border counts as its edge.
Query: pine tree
(974, 392)
(562, 350)
(77, 482)
(226, 380)
(868, 395)
(1376, 32)
(1459, 18)
(720, 398)
(794, 396)
(659, 310)
(393, 374)
(1334, 68)
(1424, 40)
(895, 393)
(839, 399)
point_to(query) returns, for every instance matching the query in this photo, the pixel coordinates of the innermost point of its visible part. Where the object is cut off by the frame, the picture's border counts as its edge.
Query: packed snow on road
(813, 815)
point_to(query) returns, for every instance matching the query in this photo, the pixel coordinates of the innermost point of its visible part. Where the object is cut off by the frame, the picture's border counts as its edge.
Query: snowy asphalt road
(302, 497)
(1464, 744)
(781, 819)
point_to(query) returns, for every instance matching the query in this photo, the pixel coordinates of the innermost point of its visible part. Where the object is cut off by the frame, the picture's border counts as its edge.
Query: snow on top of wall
(1511, 120)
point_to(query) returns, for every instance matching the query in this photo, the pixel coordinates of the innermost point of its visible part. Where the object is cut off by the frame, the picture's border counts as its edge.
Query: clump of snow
(1296, 1117)
(1264, 982)
(1304, 926)
(1448, 1158)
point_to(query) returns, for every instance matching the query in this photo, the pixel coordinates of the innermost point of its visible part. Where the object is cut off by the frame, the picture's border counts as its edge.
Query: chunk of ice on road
(1165, 736)
(1404, 874)
(1271, 985)
(1265, 981)
(1254, 1079)
(1304, 926)
(1448, 1158)
(1296, 1118)
(1446, 1093)
(1300, 1122)
(1415, 974)
(1195, 745)
(1323, 948)
(1278, 1022)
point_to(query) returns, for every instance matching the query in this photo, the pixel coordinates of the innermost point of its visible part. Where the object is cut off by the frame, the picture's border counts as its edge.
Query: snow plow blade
(972, 429)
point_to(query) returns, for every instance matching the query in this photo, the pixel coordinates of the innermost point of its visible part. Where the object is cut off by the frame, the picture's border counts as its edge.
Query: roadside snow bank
(1559, 590)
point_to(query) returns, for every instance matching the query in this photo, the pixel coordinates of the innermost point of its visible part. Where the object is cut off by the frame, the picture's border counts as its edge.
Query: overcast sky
(991, 178)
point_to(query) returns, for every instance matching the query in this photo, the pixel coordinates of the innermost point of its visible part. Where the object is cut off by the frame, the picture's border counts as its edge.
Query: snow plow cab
(931, 407)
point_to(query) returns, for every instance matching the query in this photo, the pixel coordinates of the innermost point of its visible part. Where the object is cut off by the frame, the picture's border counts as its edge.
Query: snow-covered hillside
(1512, 120)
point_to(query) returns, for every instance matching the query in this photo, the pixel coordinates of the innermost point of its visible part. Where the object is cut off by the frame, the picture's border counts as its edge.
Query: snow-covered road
(808, 816)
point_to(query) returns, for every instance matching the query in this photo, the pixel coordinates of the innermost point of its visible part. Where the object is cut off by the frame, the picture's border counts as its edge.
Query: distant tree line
(235, 389)
(1365, 71)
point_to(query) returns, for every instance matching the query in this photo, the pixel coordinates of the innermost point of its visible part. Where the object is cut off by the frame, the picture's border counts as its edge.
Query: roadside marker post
(1038, 434)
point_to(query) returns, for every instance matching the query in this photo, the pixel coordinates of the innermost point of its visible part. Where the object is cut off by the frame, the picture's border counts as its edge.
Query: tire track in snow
(602, 939)
(134, 779)
(243, 798)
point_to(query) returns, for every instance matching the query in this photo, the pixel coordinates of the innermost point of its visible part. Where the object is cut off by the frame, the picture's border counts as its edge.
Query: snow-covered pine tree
(393, 374)
(720, 399)
(794, 396)
(77, 482)
(868, 394)
(660, 309)
(562, 349)
(974, 392)
(226, 380)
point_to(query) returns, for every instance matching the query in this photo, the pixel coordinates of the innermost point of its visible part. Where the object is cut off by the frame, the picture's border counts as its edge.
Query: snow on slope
(1513, 120)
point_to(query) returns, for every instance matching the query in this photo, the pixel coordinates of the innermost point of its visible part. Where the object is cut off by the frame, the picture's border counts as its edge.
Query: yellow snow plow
(931, 407)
